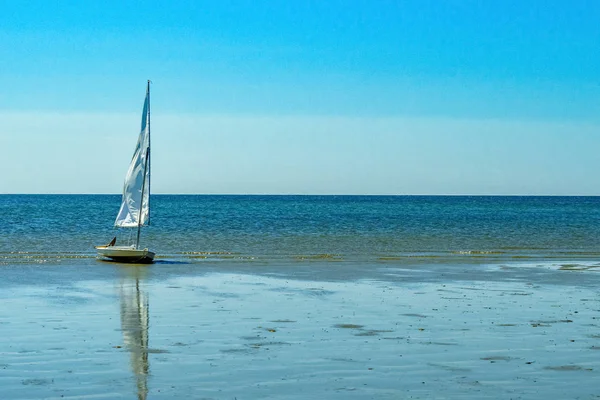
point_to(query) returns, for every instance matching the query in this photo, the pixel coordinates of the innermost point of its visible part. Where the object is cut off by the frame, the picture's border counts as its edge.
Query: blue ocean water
(62, 228)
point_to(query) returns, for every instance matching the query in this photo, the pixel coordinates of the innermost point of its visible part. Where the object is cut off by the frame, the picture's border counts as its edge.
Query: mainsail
(135, 205)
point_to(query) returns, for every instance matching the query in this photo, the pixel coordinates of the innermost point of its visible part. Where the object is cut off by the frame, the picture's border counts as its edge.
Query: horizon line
(311, 194)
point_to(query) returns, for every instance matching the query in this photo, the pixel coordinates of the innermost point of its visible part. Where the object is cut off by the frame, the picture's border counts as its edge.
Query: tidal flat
(300, 330)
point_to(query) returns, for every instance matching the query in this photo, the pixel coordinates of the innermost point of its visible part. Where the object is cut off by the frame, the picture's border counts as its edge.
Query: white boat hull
(126, 254)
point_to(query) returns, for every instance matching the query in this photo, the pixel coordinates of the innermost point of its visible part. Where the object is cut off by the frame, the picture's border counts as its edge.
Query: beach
(309, 329)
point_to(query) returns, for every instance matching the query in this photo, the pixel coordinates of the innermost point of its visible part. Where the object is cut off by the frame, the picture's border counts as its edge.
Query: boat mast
(148, 163)
(146, 168)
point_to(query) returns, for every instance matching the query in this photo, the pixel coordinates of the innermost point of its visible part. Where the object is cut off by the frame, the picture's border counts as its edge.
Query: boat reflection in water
(134, 325)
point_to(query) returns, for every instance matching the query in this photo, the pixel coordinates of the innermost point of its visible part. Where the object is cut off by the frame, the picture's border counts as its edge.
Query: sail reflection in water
(134, 325)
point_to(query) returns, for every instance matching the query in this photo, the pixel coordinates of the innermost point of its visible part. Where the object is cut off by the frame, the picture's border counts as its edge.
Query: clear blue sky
(326, 97)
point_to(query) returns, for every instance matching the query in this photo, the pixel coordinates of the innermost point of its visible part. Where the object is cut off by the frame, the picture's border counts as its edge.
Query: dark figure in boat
(112, 242)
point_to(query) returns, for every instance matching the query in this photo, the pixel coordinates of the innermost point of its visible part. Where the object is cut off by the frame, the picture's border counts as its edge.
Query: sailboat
(135, 204)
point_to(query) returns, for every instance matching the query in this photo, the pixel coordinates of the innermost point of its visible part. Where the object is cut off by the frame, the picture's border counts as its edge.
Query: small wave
(214, 255)
(478, 252)
(325, 257)
(23, 257)
(208, 253)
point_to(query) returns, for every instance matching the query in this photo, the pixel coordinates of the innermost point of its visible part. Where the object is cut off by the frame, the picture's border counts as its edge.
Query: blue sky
(327, 97)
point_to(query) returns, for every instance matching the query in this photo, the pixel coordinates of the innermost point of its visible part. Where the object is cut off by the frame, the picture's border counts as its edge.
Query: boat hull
(125, 254)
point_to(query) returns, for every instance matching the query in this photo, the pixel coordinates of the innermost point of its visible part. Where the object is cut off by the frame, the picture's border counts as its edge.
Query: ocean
(303, 297)
(193, 228)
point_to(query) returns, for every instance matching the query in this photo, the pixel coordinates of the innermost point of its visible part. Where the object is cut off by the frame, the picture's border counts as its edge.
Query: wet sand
(307, 330)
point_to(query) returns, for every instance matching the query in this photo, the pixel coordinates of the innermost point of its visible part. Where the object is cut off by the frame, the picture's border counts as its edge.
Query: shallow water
(247, 331)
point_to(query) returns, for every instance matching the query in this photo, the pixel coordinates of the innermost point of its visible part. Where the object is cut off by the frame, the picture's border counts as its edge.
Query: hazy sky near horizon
(308, 97)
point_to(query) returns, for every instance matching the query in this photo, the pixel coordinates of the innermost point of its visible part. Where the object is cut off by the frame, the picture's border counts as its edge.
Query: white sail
(135, 205)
